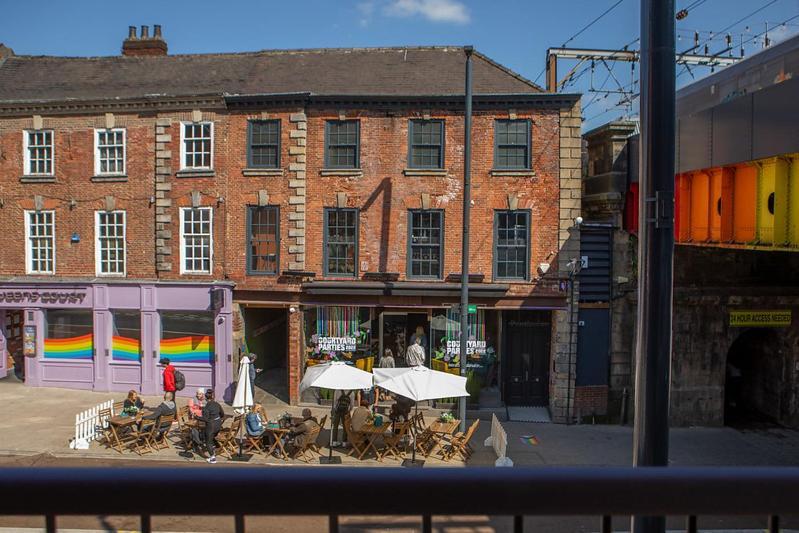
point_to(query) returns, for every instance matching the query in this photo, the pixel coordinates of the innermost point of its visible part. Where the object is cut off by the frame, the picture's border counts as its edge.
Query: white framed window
(109, 243)
(197, 145)
(40, 242)
(196, 240)
(38, 151)
(109, 152)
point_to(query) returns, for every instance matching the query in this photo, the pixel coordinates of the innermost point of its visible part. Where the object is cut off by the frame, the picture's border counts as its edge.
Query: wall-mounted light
(72, 203)
(292, 309)
(220, 200)
(75, 237)
(152, 200)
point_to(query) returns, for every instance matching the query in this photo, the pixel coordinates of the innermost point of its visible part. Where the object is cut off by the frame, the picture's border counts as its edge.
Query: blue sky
(513, 32)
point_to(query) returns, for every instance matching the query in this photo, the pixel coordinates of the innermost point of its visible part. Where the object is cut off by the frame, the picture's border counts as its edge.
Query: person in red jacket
(169, 376)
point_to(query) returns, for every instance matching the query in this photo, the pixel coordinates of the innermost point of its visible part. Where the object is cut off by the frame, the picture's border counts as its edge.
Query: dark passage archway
(754, 379)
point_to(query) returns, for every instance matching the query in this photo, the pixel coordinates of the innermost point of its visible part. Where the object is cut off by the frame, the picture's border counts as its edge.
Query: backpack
(253, 423)
(343, 404)
(180, 380)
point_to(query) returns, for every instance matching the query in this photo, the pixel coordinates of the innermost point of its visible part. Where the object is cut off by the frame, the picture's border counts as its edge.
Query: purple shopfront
(111, 336)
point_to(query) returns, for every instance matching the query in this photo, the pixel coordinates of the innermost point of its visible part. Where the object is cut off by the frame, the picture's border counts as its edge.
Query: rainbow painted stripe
(193, 349)
(125, 349)
(71, 348)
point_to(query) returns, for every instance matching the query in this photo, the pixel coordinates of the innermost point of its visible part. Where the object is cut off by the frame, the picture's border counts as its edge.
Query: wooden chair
(118, 406)
(226, 438)
(107, 438)
(164, 426)
(141, 444)
(315, 444)
(424, 441)
(459, 445)
(356, 440)
(184, 430)
(394, 439)
(304, 452)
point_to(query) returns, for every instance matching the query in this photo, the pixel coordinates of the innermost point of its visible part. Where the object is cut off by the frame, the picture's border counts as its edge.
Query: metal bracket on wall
(664, 210)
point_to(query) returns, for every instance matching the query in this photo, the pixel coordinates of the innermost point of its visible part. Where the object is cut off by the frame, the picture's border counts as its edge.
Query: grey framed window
(263, 239)
(512, 144)
(263, 144)
(341, 242)
(511, 244)
(342, 141)
(426, 144)
(425, 243)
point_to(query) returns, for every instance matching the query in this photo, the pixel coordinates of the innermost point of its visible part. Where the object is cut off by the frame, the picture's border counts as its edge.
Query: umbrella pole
(413, 462)
(329, 460)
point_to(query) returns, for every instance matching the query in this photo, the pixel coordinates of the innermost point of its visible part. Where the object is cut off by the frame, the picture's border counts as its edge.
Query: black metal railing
(517, 492)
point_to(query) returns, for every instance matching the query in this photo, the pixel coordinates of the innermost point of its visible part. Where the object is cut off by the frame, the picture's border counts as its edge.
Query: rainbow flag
(192, 349)
(125, 349)
(70, 348)
(529, 439)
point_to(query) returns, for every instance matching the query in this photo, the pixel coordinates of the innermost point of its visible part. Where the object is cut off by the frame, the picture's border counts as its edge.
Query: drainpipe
(467, 184)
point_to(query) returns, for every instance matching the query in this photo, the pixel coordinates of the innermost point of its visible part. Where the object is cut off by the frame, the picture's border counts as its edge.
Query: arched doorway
(754, 379)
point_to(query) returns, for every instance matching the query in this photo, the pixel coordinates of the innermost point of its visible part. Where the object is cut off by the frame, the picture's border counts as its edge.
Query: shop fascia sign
(760, 318)
(46, 297)
(472, 347)
(337, 344)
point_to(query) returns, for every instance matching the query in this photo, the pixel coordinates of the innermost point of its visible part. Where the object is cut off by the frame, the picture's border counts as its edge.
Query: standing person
(197, 403)
(253, 372)
(415, 355)
(169, 376)
(212, 416)
(341, 410)
(387, 361)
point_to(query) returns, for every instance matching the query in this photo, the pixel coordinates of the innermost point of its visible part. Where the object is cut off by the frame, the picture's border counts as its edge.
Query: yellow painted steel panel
(793, 201)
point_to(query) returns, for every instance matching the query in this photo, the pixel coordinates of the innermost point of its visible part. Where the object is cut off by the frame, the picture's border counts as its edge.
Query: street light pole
(656, 244)
(467, 185)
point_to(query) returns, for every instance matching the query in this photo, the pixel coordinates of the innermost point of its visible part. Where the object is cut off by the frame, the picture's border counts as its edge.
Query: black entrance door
(526, 352)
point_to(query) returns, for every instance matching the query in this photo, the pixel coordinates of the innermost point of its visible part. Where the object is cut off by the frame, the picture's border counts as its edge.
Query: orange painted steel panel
(715, 204)
(700, 203)
(744, 201)
(726, 207)
(683, 208)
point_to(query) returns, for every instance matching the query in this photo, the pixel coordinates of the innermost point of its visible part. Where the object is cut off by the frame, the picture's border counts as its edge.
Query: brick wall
(590, 401)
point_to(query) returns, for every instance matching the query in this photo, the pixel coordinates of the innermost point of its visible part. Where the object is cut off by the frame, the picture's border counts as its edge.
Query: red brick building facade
(332, 212)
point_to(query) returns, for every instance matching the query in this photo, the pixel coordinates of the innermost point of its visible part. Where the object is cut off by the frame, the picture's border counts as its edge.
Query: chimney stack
(144, 45)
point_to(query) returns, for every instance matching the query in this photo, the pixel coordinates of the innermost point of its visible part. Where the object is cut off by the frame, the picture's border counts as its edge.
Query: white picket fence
(88, 425)
(499, 441)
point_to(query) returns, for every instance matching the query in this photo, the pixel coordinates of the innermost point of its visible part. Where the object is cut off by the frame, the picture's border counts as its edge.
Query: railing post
(691, 525)
(146, 523)
(332, 524)
(427, 524)
(239, 523)
(518, 524)
(49, 523)
(606, 525)
(773, 524)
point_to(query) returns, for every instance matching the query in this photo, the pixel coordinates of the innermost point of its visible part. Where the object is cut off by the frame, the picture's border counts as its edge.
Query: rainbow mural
(125, 349)
(192, 349)
(69, 348)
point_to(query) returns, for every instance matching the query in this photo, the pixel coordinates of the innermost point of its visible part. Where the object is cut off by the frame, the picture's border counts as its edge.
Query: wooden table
(119, 422)
(372, 432)
(441, 430)
(277, 435)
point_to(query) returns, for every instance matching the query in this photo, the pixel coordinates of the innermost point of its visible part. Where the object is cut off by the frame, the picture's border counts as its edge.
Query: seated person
(401, 409)
(165, 408)
(360, 415)
(132, 404)
(301, 433)
(197, 403)
(255, 422)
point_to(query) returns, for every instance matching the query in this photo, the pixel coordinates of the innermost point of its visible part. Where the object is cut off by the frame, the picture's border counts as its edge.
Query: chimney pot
(144, 45)
(157, 31)
(145, 32)
(131, 32)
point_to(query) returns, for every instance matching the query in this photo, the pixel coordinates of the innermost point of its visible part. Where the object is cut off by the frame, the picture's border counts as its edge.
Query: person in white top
(415, 355)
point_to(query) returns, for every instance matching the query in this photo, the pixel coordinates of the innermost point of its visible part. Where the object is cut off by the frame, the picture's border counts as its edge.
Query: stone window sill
(521, 173)
(191, 173)
(425, 172)
(110, 177)
(37, 179)
(262, 172)
(351, 172)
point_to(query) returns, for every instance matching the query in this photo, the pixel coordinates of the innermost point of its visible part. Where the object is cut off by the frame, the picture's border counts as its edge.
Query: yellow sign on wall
(767, 318)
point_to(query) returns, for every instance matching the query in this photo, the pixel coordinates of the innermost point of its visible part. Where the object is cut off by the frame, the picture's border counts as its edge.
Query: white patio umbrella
(419, 383)
(335, 375)
(243, 399)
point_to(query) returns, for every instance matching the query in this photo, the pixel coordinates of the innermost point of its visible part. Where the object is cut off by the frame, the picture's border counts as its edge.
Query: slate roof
(420, 71)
